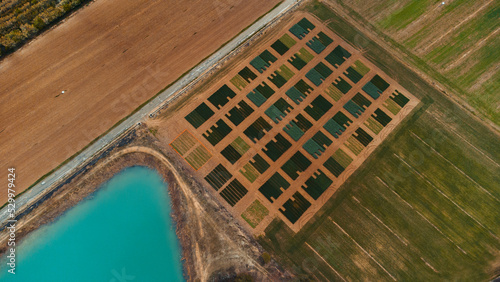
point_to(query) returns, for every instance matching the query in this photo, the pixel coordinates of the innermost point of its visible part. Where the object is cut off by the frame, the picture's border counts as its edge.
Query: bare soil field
(109, 58)
(205, 157)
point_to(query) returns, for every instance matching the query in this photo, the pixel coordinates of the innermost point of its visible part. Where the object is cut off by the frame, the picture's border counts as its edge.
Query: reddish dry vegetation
(109, 58)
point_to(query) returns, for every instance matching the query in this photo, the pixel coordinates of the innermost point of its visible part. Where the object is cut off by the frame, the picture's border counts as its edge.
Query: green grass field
(423, 207)
(465, 59)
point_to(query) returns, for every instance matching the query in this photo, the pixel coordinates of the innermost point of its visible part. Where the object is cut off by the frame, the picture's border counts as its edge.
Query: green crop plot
(392, 106)
(217, 132)
(374, 125)
(283, 44)
(249, 172)
(317, 184)
(235, 150)
(294, 207)
(234, 192)
(218, 177)
(198, 157)
(239, 82)
(274, 187)
(285, 72)
(199, 115)
(361, 68)
(255, 213)
(354, 145)
(299, 60)
(184, 143)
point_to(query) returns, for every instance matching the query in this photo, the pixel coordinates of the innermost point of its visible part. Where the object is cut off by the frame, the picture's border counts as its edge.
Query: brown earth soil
(206, 230)
(109, 58)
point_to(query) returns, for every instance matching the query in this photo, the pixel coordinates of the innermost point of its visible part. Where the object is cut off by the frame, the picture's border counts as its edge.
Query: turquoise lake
(123, 233)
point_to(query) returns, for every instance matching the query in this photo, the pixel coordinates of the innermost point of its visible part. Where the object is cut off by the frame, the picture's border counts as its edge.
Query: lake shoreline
(204, 228)
(86, 182)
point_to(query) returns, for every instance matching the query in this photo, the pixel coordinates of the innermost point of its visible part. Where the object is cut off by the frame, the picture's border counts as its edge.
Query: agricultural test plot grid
(289, 124)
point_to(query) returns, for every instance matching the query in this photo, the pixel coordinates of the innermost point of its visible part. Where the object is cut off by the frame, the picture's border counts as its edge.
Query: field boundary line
(404, 201)
(429, 265)
(463, 173)
(457, 26)
(465, 140)
(417, 211)
(338, 274)
(404, 241)
(447, 197)
(343, 231)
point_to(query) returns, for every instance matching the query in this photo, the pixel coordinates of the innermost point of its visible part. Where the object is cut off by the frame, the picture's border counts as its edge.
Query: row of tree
(21, 20)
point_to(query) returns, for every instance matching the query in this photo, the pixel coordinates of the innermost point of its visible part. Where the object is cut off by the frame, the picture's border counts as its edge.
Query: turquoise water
(124, 233)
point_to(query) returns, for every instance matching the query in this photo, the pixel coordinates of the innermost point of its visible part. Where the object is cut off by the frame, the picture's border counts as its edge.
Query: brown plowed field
(170, 128)
(109, 58)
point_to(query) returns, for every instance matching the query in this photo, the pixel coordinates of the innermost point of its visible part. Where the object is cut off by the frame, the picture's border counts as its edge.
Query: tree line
(21, 20)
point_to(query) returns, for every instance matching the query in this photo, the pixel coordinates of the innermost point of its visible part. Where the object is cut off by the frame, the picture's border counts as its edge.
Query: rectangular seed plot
(281, 76)
(254, 168)
(243, 78)
(302, 28)
(319, 42)
(318, 74)
(184, 142)
(342, 85)
(318, 107)
(396, 102)
(357, 105)
(234, 192)
(235, 150)
(354, 145)
(295, 207)
(239, 113)
(277, 111)
(218, 177)
(317, 144)
(373, 125)
(263, 61)
(337, 124)
(297, 163)
(275, 149)
(283, 44)
(363, 137)
(299, 91)
(258, 129)
(297, 127)
(221, 96)
(299, 60)
(199, 115)
(381, 117)
(274, 187)
(317, 184)
(198, 157)
(356, 72)
(217, 132)
(375, 87)
(260, 94)
(338, 56)
(338, 162)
